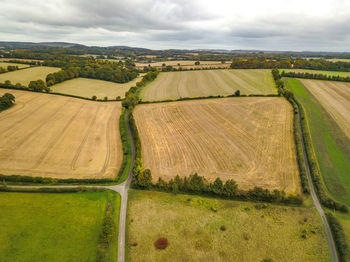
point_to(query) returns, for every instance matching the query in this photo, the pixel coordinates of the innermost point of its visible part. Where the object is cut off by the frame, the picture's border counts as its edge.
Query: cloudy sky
(162, 24)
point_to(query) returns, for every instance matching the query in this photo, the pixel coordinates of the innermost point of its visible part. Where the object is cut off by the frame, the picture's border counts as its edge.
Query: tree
(237, 93)
(144, 179)
(197, 63)
(230, 188)
(94, 98)
(217, 186)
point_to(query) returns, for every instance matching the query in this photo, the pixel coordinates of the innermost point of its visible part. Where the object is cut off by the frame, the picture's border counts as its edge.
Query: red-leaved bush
(161, 243)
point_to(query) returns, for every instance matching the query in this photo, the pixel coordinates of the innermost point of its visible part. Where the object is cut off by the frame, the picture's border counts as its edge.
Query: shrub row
(4, 188)
(49, 180)
(339, 238)
(127, 155)
(107, 234)
(205, 97)
(315, 76)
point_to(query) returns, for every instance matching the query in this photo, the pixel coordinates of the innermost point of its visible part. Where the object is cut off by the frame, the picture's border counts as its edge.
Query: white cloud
(231, 24)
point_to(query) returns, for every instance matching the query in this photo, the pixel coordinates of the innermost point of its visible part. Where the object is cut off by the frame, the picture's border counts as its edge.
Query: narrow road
(317, 203)
(122, 189)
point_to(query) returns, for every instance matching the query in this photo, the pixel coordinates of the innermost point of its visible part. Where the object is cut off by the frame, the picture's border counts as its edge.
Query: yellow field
(248, 139)
(61, 137)
(91, 87)
(174, 85)
(335, 98)
(5, 65)
(180, 63)
(193, 230)
(29, 74)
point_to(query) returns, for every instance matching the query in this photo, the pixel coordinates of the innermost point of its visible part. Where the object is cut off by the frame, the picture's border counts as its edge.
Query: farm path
(122, 189)
(315, 200)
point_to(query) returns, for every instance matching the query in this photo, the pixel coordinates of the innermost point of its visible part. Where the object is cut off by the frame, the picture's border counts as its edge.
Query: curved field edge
(71, 222)
(328, 141)
(45, 180)
(227, 231)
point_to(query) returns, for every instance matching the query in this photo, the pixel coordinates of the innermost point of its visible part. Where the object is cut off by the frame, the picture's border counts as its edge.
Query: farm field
(329, 73)
(330, 142)
(177, 62)
(174, 85)
(53, 227)
(253, 231)
(61, 137)
(231, 138)
(91, 87)
(334, 98)
(5, 65)
(29, 74)
(20, 59)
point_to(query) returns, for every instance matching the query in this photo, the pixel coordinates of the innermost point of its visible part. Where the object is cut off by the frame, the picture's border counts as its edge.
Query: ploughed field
(246, 139)
(206, 229)
(61, 137)
(29, 74)
(203, 83)
(91, 87)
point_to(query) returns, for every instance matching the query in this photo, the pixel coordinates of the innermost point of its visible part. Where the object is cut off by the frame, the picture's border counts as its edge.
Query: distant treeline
(315, 76)
(320, 64)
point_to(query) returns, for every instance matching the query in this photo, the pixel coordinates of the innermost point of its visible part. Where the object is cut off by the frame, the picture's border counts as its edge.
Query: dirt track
(61, 137)
(247, 139)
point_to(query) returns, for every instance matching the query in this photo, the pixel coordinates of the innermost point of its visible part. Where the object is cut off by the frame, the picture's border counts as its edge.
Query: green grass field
(5, 65)
(91, 87)
(53, 227)
(192, 226)
(329, 73)
(330, 143)
(29, 74)
(174, 85)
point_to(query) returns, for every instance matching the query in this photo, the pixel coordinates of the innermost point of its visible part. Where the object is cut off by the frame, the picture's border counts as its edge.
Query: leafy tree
(217, 186)
(237, 93)
(230, 188)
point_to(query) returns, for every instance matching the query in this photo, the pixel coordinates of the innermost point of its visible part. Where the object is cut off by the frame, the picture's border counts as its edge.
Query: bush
(161, 243)
(94, 97)
(339, 238)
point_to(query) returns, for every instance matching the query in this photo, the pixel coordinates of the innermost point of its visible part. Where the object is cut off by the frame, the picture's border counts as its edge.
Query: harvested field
(29, 74)
(174, 85)
(61, 137)
(248, 139)
(5, 65)
(335, 98)
(181, 62)
(91, 87)
(253, 232)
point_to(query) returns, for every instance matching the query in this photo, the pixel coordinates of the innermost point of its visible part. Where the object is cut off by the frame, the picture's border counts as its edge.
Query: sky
(298, 25)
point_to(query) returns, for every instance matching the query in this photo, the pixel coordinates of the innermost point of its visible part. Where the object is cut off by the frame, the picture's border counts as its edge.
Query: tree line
(315, 76)
(286, 63)
(8, 69)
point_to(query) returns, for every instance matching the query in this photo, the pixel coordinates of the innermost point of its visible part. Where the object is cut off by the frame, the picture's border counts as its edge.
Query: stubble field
(91, 87)
(62, 137)
(174, 85)
(29, 74)
(253, 232)
(249, 140)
